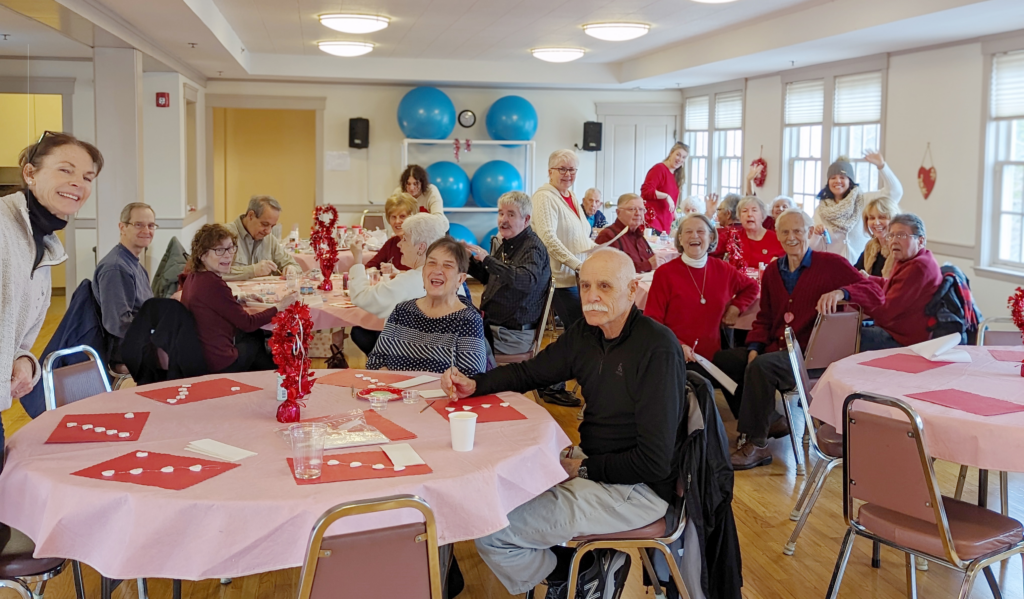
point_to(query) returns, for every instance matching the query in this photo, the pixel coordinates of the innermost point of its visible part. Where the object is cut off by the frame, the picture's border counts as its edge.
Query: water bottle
(828, 238)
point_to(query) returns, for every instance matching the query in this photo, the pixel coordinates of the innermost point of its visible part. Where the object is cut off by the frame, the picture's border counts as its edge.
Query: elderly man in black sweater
(633, 375)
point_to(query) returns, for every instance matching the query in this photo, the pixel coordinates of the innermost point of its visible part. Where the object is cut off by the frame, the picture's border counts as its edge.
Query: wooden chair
(363, 564)
(888, 473)
(370, 221)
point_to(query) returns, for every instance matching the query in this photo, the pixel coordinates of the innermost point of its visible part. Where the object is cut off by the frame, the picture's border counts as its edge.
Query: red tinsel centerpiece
(293, 330)
(1016, 305)
(734, 248)
(325, 246)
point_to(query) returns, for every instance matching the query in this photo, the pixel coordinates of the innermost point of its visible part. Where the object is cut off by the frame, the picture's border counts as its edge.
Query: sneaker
(606, 578)
(557, 590)
(560, 397)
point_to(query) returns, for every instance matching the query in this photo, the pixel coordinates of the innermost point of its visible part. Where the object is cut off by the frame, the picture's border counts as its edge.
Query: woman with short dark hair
(414, 182)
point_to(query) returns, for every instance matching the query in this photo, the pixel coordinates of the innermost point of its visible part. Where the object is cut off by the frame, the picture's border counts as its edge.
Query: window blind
(1008, 85)
(697, 109)
(729, 110)
(858, 99)
(805, 102)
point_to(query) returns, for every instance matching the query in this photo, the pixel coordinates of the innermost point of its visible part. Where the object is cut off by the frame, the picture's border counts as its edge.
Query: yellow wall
(265, 152)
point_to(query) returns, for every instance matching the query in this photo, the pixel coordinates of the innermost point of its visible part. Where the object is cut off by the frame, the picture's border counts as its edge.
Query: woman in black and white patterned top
(429, 333)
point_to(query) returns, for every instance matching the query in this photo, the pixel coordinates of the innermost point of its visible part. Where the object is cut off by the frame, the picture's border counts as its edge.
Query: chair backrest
(988, 337)
(539, 337)
(373, 220)
(363, 564)
(835, 336)
(887, 463)
(69, 384)
(803, 383)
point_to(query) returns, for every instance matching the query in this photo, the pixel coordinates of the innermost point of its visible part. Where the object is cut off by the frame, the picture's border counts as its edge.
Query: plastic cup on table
(378, 404)
(307, 448)
(373, 275)
(387, 268)
(463, 427)
(293, 281)
(410, 397)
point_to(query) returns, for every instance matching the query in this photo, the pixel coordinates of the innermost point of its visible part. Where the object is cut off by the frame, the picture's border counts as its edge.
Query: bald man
(633, 375)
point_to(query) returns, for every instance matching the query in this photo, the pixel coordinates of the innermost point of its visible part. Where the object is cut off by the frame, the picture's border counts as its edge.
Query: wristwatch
(581, 472)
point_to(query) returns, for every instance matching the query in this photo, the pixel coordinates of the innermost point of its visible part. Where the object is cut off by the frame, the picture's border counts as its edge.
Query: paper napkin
(942, 350)
(415, 382)
(402, 454)
(221, 451)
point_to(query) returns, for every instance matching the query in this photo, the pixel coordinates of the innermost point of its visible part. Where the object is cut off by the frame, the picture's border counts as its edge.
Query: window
(857, 123)
(714, 132)
(1006, 155)
(801, 140)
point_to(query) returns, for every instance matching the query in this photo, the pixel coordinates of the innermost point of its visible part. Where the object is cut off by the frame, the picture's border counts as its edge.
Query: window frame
(714, 158)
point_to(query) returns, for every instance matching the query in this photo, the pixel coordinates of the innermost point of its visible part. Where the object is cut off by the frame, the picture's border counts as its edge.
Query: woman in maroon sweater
(661, 187)
(398, 208)
(231, 337)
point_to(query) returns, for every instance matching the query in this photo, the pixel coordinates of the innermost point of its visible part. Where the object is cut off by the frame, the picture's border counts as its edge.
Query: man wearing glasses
(259, 250)
(120, 283)
(627, 232)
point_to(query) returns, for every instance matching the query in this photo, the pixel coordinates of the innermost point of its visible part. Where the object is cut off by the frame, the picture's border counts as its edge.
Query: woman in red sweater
(398, 208)
(661, 188)
(231, 337)
(760, 245)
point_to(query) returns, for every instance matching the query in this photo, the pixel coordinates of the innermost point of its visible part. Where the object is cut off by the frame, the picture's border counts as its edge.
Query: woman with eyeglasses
(231, 337)
(58, 172)
(661, 188)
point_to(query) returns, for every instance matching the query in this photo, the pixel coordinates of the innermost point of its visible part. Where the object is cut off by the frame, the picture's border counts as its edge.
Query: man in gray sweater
(259, 250)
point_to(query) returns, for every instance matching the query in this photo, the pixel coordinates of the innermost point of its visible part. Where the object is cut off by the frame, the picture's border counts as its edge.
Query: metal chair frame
(48, 388)
(370, 506)
(362, 218)
(21, 584)
(538, 337)
(970, 568)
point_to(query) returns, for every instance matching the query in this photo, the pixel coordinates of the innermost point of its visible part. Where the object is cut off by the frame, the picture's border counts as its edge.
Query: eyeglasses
(35, 148)
(141, 226)
(899, 236)
(564, 170)
(222, 251)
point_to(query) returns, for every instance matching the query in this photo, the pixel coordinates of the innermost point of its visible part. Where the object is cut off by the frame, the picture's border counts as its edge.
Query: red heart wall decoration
(926, 180)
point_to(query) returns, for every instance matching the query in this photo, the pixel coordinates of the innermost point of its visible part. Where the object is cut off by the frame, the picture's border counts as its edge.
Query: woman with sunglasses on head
(58, 172)
(661, 188)
(231, 337)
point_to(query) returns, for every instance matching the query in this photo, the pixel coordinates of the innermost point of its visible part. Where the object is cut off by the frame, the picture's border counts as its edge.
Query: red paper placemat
(85, 426)
(910, 363)
(495, 413)
(347, 378)
(1007, 355)
(152, 476)
(343, 470)
(199, 391)
(966, 401)
(386, 427)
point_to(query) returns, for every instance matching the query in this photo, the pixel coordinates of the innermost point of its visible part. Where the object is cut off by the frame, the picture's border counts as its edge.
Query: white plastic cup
(463, 425)
(307, 448)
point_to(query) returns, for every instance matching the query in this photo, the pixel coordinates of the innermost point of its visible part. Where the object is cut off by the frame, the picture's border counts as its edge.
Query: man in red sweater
(791, 290)
(627, 232)
(899, 316)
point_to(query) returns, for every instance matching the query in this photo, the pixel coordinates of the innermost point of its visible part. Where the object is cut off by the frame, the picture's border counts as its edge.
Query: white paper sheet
(433, 394)
(716, 372)
(216, 449)
(415, 382)
(942, 350)
(402, 454)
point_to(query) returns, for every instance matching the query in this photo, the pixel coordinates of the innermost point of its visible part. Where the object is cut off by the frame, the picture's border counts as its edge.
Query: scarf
(871, 253)
(698, 263)
(842, 215)
(43, 223)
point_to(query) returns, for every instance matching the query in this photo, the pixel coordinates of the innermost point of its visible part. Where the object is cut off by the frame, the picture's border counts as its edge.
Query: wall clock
(467, 118)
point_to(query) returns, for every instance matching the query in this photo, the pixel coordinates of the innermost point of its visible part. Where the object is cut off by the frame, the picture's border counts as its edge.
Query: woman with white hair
(693, 205)
(418, 232)
(759, 245)
(662, 186)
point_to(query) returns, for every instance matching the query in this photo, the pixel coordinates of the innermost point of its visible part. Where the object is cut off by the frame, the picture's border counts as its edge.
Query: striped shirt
(411, 340)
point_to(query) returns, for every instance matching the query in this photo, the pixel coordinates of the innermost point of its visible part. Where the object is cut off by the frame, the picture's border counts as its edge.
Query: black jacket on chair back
(168, 325)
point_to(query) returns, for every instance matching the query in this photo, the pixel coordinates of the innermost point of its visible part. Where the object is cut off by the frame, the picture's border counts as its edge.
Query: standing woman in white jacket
(841, 209)
(58, 172)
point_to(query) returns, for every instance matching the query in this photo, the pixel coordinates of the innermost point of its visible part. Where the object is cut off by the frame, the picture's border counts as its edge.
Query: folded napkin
(433, 394)
(312, 300)
(942, 350)
(216, 449)
(402, 454)
(415, 382)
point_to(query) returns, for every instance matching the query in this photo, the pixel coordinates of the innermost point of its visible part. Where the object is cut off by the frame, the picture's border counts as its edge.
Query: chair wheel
(794, 515)
(789, 549)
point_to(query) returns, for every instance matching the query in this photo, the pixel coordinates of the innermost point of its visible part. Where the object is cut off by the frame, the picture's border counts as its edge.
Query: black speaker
(359, 133)
(592, 136)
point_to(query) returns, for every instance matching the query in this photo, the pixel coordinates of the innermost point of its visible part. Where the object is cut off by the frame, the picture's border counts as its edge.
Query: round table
(255, 518)
(335, 311)
(307, 261)
(987, 442)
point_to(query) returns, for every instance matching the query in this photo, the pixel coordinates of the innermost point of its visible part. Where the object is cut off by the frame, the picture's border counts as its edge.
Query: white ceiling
(30, 37)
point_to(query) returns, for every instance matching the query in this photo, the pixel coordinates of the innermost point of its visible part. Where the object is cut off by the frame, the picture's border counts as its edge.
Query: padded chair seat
(975, 530)
(654, 530)
(16, 556)
(512, 358)
(830, 441)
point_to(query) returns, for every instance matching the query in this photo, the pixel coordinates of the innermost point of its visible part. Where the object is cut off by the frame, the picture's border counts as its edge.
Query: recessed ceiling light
(558, 54)
(346, 23)
(347, 49)
(616, 32)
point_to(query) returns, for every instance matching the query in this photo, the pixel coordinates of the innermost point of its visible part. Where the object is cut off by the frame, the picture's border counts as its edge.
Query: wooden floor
(763, 500)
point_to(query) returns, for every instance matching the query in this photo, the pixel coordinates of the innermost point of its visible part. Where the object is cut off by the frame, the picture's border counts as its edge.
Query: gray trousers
(508, 341)
(520, 554)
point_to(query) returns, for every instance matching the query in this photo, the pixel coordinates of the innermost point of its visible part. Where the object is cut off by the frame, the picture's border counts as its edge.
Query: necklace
(703, 285)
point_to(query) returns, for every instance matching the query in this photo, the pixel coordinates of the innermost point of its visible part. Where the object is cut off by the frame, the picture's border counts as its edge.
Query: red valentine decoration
(926, 176)
(456, 150)
(734, 248)
(325, 246)
(293, 330)
(760, 161)
(1016, 305)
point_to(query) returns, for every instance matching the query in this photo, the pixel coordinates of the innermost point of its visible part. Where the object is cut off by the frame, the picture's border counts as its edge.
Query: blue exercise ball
(451, 181)
(426, 113)
(493, 179)
(462, 233)
(512, 118)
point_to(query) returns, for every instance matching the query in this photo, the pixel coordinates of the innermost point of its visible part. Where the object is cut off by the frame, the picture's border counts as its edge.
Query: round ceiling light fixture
(616, 32)
(558, 54)
(347, 49)
(348, 23)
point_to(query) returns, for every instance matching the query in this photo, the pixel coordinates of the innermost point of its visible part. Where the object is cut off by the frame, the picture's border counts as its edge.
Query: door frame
(606, 109)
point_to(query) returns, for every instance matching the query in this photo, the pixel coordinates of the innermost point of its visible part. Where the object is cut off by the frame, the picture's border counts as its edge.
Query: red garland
(734, 248)
(1016, 305)
(759, 179)
(456, 150)
(325, 246)
(289, 344)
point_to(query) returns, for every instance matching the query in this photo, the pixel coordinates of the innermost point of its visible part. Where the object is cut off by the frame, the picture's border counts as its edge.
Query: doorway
(632, 145)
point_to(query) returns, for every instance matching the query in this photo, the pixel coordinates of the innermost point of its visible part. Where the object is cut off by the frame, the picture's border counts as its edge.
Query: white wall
(762, 114)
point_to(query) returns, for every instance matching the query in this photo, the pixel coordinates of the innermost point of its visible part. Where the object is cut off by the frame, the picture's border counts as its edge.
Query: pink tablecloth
(326, 315)
(991, 443)
(345, 260)
(254, 518)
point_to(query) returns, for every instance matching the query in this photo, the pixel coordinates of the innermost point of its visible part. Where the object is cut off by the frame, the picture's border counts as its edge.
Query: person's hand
(287, 300)
(688, 353)
(755, 170)
(654, 262)
(457, 385)
(750, 356)
(21, 377)
(828, 303)
(264, 268)
(571, 466)
(478, 253)
(875, 158)
(711, 205)
(356, 247)
(818, 230)
(292, 269)
(732, 314)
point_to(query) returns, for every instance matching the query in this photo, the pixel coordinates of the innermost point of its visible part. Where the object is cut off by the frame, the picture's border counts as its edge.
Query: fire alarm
(163, 99)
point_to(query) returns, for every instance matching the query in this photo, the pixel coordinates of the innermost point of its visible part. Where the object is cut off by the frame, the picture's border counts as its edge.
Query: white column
(119, 102)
